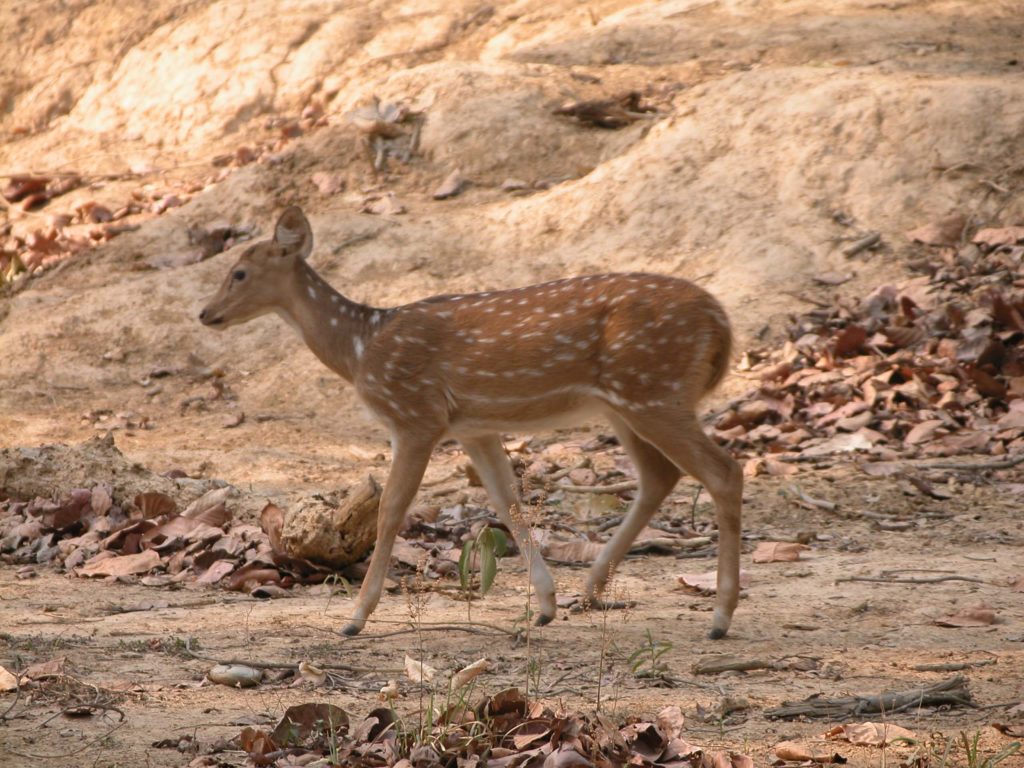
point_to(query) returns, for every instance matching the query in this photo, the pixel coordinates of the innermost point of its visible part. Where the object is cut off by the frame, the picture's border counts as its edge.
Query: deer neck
(335, 328)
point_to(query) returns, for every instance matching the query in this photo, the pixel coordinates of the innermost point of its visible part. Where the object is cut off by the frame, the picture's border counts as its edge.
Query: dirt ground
(783, 131)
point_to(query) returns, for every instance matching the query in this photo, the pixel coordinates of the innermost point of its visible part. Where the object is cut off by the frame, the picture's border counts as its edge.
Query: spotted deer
(639, 350)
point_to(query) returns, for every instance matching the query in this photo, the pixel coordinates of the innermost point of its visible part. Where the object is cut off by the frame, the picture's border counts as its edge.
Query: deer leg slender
(657, 477)
(489, 458)
(407, 468)
(678, 435)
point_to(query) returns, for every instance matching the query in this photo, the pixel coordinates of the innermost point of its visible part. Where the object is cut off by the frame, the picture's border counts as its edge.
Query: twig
(627, 485)
(955, 666)
(718, 664)
(828, 506)
(996, 464)
(953, 691)
(869, 240)
(930, 580)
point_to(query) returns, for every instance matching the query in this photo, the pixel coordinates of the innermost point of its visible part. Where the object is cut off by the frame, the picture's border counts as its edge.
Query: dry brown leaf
(923, 432)
(217, 571)
(8, 681)
(123, 565)
(312, 673)
(154, 504)
(451, 186)
(417, 671)
(994, 237)
(382, 205)
(671, 721)
(707, 583)
(778, 552)
(272, 523)
(469, 673)
(980, 615)
(946, 231)
(328, 183)
(870, 734)
(1016, 583)
(791, 751)
(575, 551)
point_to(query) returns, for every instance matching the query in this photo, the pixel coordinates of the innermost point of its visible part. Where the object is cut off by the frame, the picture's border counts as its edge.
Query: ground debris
(952, 692)
(932, 366)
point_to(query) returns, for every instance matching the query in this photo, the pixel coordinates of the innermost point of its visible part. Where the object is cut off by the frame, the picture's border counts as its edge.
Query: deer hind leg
(678, 435)
(489, 458)
(407, 468)
(657, 477)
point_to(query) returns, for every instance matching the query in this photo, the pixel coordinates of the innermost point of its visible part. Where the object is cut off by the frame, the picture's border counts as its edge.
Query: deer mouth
(209, 320)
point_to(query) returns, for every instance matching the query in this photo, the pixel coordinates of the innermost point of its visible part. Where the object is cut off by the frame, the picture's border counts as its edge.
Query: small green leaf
(488, 567)
(499, 541)
(465, 560)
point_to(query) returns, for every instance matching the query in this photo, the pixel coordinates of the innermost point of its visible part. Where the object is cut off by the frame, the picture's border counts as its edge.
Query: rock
(334, 535)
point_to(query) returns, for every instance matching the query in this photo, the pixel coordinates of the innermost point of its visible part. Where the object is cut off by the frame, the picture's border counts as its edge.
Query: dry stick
(997, 464)
(628, 485)
(868, 241)
(956, 666)
(952, 691)
(932, 580)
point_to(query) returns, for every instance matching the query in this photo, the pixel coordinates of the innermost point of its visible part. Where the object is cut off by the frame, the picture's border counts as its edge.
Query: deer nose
(202, 316)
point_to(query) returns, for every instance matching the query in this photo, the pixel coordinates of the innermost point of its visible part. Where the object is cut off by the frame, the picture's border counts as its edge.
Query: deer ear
(293, 232)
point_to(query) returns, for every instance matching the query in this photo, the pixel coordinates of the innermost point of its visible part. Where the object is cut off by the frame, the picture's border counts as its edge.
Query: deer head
(257, 282)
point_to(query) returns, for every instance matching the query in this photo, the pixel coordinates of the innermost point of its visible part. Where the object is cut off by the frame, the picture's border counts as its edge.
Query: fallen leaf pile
(933, 366)
(503, 730)
(91, 534)
(86, 223)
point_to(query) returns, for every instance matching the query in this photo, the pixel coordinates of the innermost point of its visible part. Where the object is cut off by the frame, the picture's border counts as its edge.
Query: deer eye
(238, 274)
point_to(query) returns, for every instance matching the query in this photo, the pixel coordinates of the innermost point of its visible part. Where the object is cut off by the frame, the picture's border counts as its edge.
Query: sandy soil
(784, 131)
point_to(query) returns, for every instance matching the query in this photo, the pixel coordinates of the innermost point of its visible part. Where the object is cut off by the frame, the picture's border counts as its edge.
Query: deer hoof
(542, 619)
(351, 630)
(716, 634)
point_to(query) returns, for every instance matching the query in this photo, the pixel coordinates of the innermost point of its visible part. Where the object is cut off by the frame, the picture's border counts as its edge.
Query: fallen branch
(973, 466)
(896, 580)
(870, 240)
(627, 485)
(718, 664)
(951, 692)
(954, 666)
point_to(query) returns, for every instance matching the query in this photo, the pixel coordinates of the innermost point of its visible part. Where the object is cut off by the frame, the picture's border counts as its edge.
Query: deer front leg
(489, 458)
(407, 467)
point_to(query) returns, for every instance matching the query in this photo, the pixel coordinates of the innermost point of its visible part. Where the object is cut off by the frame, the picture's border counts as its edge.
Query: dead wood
(717, 664)
(951, 692)
(869, 240)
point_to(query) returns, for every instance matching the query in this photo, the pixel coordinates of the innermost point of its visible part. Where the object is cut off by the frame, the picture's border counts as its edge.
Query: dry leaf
(272, 523)
(389, 692)
(870, 734)
(468, 673)
(312, 673)
(778, 552)
(451, 186)
(328, 183)
(791, 751)
(123, 565)
(382, 205)
(945, 231)
(154, 504)
(707, 583)
(980, 615)
(235, 675)
(575, 551)
(994, 237)
(8, 681)
(417, 671)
